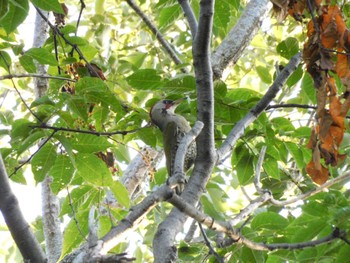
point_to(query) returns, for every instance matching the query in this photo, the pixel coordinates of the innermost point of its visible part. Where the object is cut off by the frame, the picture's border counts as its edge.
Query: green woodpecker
(173, 127)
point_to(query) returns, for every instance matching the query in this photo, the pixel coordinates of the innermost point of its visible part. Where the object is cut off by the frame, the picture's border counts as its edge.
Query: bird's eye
(167, 102)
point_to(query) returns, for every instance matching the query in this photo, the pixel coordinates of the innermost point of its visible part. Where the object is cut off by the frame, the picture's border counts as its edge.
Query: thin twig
(75, 47)
(257, 183)
(31, 157)
(208, 244)
(74, 215)
(157, 33)
(56, 129)
(18, 93)
(34, 75)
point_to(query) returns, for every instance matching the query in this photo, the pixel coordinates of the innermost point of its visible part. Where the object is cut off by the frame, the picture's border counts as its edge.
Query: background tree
(261, 123)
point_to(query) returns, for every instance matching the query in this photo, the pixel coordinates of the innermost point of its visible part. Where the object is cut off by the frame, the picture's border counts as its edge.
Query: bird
(174, 127)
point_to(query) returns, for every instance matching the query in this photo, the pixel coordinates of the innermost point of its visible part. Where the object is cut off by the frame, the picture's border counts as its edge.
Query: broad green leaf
(75, 232)
(20, 128)
(88, 143)
(147, 136)
(181, 83)
(27, 63)
(244, 166)
(209, 208)
(30, 141)
(295, 77)
(307, 87)
(16, 14)
(75, 40)
(49, 5)
(43, 161)
(168, 15)
(80, 198)
(66, 143)
(42, 56)
(264, 74)
(269, 220)
(4, 8)
(282, 125)
(136, 59)
(145, 79)
(89, 51)
(93, 170)
(296, 153)
(343, 255)
(5, 60)
(61, 172)
(120, 193)
(288, 47)
(271, 168)
(222, 14)
(79, 106)
(302, 132)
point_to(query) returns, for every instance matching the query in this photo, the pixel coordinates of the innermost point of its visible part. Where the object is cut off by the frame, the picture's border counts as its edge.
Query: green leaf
(120, 193)
(282, 125)
(269, 220)
(30, 140)
(243, 162)
(27, 63)
(49, 5)
(145, 79)
(88, 143)
(78, 106)
(75, 232)
(295, 77)
(43, 161)
(168, 15)
(42, 56)
(307, 87)
(271, 168)
(61, 172)
(5, 60)
(16, 14)
(264, 74)
(222, 14)
(288, 47)
(93, 170)
(20, 128)
(296, 153)
(4, 8)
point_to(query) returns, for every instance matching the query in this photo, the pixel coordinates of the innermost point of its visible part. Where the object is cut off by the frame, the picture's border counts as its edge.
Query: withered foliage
(326, 57)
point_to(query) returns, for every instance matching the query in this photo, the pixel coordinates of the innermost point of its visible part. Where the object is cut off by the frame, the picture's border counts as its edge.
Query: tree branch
(163, 242)
(179, 163)
(156, 32)
(34, 75)
(191, 18)
(240, 127)
(230, 50)
(19, 228)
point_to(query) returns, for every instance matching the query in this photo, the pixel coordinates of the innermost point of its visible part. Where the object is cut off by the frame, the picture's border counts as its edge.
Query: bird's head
(162, 110)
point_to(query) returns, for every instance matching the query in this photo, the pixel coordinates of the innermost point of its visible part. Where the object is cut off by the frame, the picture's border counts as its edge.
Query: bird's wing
(171, 141)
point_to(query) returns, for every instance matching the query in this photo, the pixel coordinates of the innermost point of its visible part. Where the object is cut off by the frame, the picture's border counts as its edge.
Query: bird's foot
(178, 181)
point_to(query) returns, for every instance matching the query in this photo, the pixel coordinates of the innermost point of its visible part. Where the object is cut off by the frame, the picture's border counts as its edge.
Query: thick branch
(19, 228)
(137, 171)
(163, 243)
(240, 127)
(230, 50)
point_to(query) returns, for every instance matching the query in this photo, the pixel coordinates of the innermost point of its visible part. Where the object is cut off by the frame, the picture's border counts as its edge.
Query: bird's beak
(177, 102)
